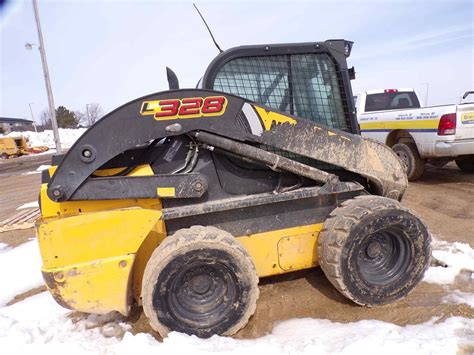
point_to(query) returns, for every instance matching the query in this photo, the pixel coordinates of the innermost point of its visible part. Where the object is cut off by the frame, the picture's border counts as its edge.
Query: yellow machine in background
(13, 147)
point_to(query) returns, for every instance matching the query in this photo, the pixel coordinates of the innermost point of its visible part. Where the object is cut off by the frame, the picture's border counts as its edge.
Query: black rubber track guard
(126, 128)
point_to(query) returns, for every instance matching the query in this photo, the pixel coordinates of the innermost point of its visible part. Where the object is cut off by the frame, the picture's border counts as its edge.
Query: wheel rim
(404, 158)
(384, 256)
(202, 294)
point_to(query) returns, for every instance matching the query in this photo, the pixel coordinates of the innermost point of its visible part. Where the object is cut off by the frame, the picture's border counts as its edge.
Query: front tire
(374, 250)
(466, 164)
(411, 160)
(200, 281)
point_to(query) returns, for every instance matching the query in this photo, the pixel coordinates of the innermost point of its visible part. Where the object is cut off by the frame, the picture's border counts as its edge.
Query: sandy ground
(444, 199)
(17, 187)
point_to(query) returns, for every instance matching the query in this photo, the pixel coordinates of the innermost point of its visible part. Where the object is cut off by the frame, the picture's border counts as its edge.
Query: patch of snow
(460, 297)
(454, 258)
(43, 167)
(67, 136)
(317, 336)
(38, 170)
(38, 324)
(32, 204)
(31, 172)
(20, 270)
(3, 246)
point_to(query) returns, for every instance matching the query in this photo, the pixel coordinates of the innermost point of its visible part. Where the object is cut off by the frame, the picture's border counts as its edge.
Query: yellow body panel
(94, 287)
(284, 250)
(99, 235)
(89, 248)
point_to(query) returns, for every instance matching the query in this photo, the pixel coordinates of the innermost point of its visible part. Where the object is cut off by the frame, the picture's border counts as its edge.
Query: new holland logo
(190, 107)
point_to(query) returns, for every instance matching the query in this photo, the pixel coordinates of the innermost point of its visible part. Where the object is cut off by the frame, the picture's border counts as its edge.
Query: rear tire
(411, 160)
(374, 250)
(466, 164)
(200, 281)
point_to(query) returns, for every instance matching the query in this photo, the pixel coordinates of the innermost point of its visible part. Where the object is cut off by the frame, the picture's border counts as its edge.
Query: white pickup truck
(418, 135)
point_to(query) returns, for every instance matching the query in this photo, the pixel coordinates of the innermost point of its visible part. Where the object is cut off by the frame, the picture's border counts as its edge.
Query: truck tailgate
(465, 122)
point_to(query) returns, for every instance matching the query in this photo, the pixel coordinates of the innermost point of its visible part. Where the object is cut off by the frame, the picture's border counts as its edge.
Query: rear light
(447, 125)
(390, 90)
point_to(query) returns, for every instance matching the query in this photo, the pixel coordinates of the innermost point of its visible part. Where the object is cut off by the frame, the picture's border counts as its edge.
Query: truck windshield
(391, 101)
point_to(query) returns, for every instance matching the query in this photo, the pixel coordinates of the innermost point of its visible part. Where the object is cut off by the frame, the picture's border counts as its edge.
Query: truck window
(391, 101)
(305, 85)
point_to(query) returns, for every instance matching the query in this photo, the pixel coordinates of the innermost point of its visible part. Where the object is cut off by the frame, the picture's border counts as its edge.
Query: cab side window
(305, 85)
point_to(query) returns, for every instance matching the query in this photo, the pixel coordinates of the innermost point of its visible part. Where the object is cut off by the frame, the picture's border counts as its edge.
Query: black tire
(466, 164)
(439, 163)
(374, 250)
(4, 156)
(200, 281)
(411, 160)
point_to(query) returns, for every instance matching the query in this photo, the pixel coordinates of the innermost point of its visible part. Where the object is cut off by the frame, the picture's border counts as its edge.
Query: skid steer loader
(181, 200)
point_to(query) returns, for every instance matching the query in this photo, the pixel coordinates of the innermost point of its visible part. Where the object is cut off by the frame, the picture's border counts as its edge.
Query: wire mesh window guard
(305, 85)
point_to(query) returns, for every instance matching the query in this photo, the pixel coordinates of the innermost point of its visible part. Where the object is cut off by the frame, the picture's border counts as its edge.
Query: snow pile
(67, 136)
(20, 270)
(460, 297)
(316, 336)
(38, 324)
(453, 259)
(32, 204)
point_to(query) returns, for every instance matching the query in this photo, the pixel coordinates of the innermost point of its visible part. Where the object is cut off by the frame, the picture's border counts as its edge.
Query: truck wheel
(200, 281)
(374, 250)
(466, 164)
(414, 165)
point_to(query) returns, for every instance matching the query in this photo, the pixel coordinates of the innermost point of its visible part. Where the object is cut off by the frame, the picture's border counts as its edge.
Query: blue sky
(111, 52)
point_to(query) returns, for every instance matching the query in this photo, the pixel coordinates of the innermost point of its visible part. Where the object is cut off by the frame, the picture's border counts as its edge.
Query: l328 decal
(190, 107)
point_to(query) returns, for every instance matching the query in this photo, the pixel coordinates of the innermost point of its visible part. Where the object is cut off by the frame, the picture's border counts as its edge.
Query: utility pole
(88, 116)
(426, 96)
(33, 117)
(52, 110)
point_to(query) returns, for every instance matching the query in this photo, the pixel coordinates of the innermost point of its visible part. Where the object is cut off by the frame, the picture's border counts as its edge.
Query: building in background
(8, 124)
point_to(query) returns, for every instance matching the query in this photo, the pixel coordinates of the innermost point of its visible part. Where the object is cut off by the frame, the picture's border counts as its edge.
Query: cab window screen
(305, 85)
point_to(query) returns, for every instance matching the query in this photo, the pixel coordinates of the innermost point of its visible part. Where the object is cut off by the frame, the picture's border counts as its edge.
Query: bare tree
(93, 112)
(45, 119)
(82, 117)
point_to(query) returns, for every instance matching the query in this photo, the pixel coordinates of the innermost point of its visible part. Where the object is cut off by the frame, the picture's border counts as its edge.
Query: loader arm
(178, 112)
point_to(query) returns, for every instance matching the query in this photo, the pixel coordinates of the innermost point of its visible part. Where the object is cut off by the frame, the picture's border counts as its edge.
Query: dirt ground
(17, 184)
(443, 198)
